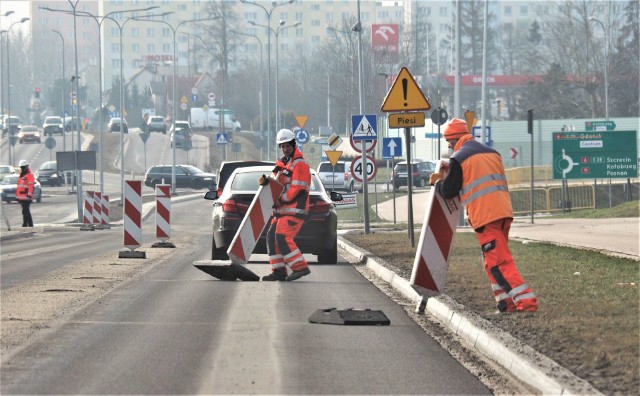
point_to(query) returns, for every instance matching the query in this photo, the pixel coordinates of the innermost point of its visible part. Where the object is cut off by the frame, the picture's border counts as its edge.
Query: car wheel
(423, 182)
(329, 256)
(153, 184)
(196, 184)
(39, 199)
(217, 253)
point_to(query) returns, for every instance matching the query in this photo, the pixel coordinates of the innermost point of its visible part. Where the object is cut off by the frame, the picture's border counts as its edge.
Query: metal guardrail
(550, 199)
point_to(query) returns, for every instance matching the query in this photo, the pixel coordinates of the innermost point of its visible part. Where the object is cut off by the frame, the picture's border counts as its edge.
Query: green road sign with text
(599, 126)
(595, 155)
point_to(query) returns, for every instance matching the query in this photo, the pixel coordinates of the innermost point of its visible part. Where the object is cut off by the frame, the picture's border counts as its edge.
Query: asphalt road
(171, 329)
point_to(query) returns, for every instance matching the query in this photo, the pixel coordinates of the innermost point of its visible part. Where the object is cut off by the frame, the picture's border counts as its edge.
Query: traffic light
(37, 93)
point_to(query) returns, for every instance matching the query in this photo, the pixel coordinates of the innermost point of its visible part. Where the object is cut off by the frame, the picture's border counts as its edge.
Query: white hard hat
(284, 136)
(23, 163)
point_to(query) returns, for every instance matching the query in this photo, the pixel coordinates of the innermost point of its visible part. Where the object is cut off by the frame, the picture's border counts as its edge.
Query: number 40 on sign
(357, 168)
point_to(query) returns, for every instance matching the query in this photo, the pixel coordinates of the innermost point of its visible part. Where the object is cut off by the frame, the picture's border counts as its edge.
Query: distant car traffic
(156, 124)
(11, 123)
(114, 125)
(181, 134)
(187, 176)
(29, 133)
(317, 236)
(9, 186)
(53, 125)
(6, 170)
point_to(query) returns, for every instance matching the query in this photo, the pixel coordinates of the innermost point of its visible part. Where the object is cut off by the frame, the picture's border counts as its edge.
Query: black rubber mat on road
(350, 317)
(228, 271)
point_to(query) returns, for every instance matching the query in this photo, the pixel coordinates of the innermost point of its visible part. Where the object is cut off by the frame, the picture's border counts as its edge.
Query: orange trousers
(281, 247)
(509, 289)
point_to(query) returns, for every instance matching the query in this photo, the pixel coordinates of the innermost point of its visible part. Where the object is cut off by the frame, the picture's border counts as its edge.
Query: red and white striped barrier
(97, 209)
(254, 222)
(163, 215)
(132, 214)
(104, 221)
(436, 238)
(87, 213)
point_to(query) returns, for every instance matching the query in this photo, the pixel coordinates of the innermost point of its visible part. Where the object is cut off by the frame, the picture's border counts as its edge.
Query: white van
(199, 119)
(338, 177)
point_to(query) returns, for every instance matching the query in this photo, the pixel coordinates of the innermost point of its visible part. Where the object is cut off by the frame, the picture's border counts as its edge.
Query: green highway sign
(599, 126)
(595, 155)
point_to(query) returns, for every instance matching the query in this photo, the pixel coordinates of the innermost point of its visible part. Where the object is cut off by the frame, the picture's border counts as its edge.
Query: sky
(20, 9)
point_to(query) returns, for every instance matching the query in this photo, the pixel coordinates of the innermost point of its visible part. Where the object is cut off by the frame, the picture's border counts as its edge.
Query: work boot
(279, 274)
(298, 274)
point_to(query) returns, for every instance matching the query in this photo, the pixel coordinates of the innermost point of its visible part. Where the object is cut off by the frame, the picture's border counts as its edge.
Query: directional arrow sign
(514, 153)
(599, 125)
(391, 147)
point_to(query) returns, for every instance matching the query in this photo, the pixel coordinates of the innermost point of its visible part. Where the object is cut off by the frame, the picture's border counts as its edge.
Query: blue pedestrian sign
(364, 127)
(391, 147)
(221, 138)
(302, 136)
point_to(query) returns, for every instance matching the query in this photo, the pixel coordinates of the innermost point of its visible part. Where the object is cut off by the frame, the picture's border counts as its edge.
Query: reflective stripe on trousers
(281, 247)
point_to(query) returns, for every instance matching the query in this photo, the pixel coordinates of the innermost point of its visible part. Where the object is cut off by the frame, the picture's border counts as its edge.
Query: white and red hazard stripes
(104, 221)
(132, 213)
(163, 211)
(87, 213)
(254, 222)
(436, 238)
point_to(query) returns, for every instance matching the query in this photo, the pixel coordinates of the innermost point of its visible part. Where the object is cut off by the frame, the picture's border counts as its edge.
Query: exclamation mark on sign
(404, 90)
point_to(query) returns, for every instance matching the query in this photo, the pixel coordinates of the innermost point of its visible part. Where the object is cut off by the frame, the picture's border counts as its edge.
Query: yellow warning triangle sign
(301, 120)
(333, 156)
(405, 94)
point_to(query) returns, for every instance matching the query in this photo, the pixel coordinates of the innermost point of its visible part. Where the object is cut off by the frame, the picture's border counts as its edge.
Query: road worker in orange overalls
(476, 172)
(289, 211)
(24, 192)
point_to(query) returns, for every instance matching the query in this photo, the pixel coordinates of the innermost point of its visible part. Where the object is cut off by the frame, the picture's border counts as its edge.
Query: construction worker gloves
(264, 180)
(434, 178)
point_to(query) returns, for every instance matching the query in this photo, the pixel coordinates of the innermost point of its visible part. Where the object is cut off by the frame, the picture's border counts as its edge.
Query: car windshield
(29, 129)
(53, 120)
(192, 169)
(248, 181)
(5, 169)
(327, 167)
(11, 179)
(49, 166)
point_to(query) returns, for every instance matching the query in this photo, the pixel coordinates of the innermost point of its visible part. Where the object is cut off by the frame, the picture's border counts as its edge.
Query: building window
(135, 48)
(151, 48)
(135, 32)
(299, 32)
(182, 7)
(150, 32)
(315, 22)
(524, 10)
(315, 7)
(166, 48)
(299, 16)
(443, 11)
(166, 32)
(507, 10)
(329, 16)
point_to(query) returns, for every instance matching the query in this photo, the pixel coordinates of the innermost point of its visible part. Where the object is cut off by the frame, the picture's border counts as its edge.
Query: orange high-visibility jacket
(296, 177)
(25, 186)
(485, 191)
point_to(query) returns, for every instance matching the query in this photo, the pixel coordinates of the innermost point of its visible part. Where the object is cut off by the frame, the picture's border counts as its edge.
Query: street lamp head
(357, 27)
(8, 13)
(297, 23)
(282, 22)
(252, 23)
(25, 19)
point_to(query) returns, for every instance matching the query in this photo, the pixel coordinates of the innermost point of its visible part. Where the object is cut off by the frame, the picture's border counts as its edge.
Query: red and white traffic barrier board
(254, 222)
(97, 208)
(163, 211)
(436, 239)
(132, 214)
(104, 221)
(87, 213)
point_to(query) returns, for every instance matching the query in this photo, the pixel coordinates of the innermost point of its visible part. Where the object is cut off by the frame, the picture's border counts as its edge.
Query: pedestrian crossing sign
(221, 138)
(364, 127)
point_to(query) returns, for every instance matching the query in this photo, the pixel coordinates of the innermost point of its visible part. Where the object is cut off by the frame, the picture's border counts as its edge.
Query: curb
(523, 362)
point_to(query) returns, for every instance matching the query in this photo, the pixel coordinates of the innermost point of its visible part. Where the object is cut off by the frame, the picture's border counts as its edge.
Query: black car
(317, 236)
(49, 174)
(420, 173)
(186, 176)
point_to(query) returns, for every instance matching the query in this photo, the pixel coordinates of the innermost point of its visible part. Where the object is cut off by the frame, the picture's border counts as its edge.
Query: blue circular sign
(302, 136)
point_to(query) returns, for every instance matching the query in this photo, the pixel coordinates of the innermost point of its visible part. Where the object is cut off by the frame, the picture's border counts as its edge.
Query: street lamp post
(347, 109)
(274, 5)
(280, 28)
(174, 29)
(64, 135)
(261, 81)
(606, 60)
(8, 31)
(1, 73)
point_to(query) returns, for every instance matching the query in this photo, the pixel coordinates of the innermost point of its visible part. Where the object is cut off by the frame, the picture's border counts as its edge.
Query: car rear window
(326, 167)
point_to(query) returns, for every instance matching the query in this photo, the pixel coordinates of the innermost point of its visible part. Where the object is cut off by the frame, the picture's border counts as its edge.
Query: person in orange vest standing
(24, 192)
(475, 171)
(289, 211)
